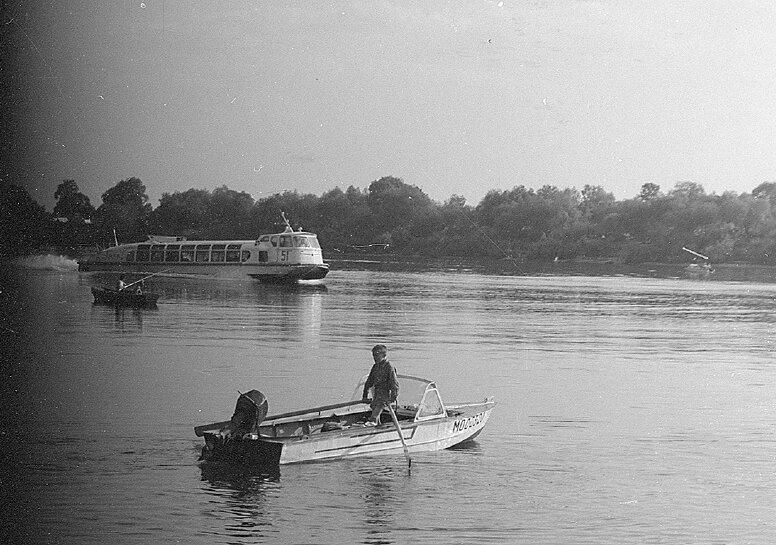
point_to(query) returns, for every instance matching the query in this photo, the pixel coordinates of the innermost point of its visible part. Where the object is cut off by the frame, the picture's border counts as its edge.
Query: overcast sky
(454, 97)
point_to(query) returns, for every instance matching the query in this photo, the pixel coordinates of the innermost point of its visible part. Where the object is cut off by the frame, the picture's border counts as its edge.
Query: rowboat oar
(200, 430)
(314, 410)
(144, 278)
(401, 436)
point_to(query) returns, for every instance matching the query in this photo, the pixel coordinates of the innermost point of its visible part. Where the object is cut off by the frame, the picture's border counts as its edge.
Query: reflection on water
(380, 500)
(241, 497)
(128, 317)
(630, 409)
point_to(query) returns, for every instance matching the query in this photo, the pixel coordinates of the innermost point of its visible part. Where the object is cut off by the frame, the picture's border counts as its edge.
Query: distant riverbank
(59, 258)
(722, 272)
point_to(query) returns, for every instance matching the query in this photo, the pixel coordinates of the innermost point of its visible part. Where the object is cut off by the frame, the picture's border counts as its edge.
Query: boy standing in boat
(383, 378)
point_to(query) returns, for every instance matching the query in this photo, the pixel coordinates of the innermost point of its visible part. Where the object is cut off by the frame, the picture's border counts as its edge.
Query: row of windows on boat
(201, 253)
(204, 253)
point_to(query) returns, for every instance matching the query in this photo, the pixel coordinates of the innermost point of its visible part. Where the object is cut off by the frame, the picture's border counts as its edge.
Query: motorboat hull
(462, 423)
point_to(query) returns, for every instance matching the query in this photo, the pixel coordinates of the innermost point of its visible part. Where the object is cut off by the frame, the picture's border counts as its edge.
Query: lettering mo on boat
(287, 256)
(466, 423)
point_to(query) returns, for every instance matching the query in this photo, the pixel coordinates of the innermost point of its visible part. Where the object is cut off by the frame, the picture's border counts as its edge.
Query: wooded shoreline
(393, 218)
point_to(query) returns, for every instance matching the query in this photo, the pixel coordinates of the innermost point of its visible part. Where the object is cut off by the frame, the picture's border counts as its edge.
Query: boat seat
(406, 412)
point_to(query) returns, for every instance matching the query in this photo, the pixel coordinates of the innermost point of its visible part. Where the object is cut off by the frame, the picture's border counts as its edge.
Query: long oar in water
(144, 278)
(401, 436)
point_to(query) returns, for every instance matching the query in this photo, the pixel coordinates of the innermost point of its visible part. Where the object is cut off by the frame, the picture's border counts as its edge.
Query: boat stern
(248, 451)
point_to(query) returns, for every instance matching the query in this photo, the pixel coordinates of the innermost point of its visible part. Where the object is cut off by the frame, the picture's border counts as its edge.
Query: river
(630, 409)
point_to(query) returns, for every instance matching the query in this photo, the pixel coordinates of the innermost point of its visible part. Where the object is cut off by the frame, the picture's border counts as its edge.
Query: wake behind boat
(279, 257)
(337, 431)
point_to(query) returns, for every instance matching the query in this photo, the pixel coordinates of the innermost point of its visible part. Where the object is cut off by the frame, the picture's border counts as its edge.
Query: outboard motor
(249, 412)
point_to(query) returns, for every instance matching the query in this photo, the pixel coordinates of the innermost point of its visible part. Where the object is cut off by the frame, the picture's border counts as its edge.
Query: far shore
(744, 272)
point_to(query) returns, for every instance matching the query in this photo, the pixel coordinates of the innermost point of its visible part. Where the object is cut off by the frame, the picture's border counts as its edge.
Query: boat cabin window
(301, 242)
(233, 253)
(263, 256)
(187, 253)
(130, 257)
(203, 253)
(264, 238)
(157, 253)
(274, 240)
(172, 253)
(246, 255)
(431, 404)
(285, 241)
(143, 252)
(218, 253)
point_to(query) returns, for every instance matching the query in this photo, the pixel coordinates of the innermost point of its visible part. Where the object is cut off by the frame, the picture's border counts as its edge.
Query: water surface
(631, 410)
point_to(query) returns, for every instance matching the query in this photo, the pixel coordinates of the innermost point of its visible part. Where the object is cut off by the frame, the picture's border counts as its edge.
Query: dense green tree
(23, 222)
(394, 204)
(401, 215)
(73, 213)
(596, 202)
(461, 233)
(184, 214)
(231, 214)
(649, 192)
(686, 192)
(531, 223)
(71, 203)
(344, 218)
(125, 209)
(766, 190)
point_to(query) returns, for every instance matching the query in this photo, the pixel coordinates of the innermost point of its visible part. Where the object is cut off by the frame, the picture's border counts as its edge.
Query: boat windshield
(411, 390)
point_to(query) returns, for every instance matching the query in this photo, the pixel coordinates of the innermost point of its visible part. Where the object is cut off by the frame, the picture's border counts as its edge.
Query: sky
(455, 97)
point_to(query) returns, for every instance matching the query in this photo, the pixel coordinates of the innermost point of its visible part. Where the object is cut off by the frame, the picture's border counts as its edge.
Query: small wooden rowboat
(124, 298)
(338, 431)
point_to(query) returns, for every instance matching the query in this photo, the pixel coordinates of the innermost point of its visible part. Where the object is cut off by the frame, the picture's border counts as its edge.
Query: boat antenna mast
(285, 220)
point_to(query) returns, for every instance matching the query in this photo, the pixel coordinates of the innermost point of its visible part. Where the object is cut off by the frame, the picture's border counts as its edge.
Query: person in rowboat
(120, 285)
(383, 378)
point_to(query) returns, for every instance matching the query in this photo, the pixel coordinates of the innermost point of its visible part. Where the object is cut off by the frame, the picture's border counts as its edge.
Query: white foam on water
(47, 262)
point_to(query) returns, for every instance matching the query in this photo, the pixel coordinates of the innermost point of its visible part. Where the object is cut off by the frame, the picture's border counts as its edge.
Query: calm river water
(631, 410)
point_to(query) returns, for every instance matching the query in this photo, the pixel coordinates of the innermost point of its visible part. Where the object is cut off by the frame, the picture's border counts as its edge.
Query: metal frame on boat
(338, 431)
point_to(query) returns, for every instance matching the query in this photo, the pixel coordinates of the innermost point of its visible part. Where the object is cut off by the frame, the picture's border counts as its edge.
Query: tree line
(393, 216)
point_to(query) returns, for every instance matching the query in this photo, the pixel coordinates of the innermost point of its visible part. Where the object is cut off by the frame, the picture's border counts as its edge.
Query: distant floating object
(697, 270)
(696, 254)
